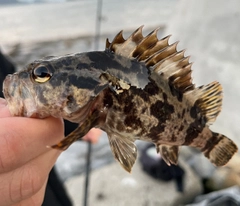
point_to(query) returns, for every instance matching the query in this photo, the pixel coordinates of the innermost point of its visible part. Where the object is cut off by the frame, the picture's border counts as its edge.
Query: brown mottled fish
(138, 88)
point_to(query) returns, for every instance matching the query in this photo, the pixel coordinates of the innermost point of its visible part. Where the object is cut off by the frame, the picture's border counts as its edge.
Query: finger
(36, 199)
(2, 101)
(93, 135)
(26, 181)
(4, 112)
(23, 139)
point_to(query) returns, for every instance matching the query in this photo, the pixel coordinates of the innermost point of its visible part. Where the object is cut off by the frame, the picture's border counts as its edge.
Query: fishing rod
(89, 151)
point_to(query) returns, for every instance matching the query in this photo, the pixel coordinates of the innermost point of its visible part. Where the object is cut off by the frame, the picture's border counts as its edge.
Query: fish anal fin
(169, 153)
(124, 150)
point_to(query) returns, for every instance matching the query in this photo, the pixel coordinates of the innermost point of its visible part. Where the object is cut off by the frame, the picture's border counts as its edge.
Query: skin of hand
(25, 161)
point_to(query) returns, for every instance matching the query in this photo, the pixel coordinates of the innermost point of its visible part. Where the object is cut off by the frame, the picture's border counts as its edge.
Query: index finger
(23, 139)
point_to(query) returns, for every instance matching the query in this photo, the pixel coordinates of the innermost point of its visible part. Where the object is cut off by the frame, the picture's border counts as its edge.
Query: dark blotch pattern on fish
(151, 88)
(83, 82)
(132, 121)
(194, 129)
(162, 110)
(194, 111)
(71, 103)
(211, 143)
(82, 66)
(175, 92)
(102, 61)
(108, 99)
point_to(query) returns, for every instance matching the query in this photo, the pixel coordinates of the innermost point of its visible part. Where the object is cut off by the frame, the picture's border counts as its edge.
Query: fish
(138, 88)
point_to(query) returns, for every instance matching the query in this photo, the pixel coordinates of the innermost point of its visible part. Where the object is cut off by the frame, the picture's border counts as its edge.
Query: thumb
(4, 111)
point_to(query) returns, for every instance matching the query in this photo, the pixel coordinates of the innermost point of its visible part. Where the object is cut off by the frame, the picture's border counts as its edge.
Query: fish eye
(41, 74)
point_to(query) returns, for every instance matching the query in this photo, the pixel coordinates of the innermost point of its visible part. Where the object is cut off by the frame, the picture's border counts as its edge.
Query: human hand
(25, 162)
(93, 135)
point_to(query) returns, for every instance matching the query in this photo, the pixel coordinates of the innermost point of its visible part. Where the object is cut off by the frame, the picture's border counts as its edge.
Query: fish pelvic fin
(124, 150)
(168, 153)
(219, 149)
(206, 101)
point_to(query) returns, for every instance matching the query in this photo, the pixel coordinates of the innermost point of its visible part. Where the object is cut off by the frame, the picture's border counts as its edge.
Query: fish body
(138, 88)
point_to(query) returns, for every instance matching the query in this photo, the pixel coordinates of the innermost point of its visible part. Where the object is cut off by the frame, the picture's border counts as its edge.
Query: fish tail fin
(219, 149)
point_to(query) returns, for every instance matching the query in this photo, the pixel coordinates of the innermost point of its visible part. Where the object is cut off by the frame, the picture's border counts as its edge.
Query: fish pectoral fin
(124, 150)
(90, 122)
(168, 153)
(78, 133)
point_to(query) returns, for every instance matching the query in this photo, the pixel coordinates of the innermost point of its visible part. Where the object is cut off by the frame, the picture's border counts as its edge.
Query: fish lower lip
(7, 79)
(6, 83)
(18, 96)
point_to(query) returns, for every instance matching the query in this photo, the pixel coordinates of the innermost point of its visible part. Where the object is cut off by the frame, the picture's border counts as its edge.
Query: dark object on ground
(226, 197)
(156, 167)
(55, 194)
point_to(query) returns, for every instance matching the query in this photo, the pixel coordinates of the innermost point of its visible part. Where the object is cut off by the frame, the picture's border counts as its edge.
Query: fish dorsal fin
(207, 100)
(157, 55)
(125, 47)
(170, 69)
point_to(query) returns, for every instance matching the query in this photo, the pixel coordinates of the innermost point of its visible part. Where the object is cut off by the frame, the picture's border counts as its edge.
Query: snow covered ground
(51, 21)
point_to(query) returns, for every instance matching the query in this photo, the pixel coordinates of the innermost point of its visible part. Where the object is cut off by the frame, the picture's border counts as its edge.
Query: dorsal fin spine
(173, 68)
(148, 42)
(174, 58)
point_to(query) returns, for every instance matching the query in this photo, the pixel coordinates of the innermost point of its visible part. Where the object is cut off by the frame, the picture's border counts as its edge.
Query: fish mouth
(18, 96)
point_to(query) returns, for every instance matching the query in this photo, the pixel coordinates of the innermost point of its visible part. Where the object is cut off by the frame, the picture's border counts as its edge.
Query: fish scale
(137, 88)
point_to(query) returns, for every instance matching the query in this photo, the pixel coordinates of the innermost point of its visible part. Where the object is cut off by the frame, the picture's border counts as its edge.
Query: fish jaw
(18, 96)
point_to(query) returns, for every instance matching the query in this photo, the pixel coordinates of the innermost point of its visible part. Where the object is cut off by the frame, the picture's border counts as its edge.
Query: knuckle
(24, 185)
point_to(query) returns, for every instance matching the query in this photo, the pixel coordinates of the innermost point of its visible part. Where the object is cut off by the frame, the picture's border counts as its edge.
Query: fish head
(50, 88)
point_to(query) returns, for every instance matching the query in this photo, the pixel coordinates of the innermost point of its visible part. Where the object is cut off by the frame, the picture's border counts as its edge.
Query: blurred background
(32, 29)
